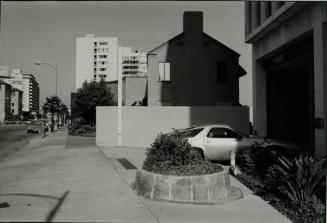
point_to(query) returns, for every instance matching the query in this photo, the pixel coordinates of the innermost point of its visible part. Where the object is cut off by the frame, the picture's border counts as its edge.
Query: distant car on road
(27, 122)
(34, 126)
(216, 142)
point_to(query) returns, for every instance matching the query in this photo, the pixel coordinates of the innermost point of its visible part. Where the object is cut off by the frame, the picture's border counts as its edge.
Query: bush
(257, 160)
(291, 186)
(302, 178)
(172, 154)
(78, 127)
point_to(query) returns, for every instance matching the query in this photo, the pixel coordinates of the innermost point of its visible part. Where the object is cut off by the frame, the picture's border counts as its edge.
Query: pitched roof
(220, 44)
(204, 35)
(241, 71)
(169, 41)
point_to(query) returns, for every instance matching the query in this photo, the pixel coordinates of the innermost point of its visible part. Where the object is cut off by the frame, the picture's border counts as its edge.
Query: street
(13, 138)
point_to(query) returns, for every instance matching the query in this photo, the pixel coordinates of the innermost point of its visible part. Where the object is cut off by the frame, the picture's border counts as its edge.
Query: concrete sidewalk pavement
(249, 209)
(49, 181)
(46, 182)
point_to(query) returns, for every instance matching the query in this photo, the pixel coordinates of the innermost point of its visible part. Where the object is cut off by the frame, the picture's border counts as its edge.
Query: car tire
(197, 152)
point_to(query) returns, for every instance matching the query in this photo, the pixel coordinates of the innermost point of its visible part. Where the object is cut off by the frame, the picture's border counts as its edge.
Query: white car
(216, 142)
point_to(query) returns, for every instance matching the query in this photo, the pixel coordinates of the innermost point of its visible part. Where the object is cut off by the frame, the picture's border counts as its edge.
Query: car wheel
(197, 152)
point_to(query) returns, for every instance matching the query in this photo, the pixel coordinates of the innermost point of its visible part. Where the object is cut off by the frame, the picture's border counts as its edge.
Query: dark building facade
(193, 69)
(289, 71)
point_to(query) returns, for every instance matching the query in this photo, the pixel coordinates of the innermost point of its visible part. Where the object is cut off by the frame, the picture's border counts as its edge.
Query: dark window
(221, 133)
(222, 72)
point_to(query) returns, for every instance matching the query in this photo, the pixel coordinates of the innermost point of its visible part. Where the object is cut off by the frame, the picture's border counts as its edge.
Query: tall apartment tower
(100, 58)
(134, 63)
(96, 58)
(31, 94)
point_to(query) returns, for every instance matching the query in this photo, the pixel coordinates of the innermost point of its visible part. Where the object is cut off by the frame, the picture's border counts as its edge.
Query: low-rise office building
(5, 100)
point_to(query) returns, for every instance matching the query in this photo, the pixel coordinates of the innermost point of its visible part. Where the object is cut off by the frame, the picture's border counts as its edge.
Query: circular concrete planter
(201, 189)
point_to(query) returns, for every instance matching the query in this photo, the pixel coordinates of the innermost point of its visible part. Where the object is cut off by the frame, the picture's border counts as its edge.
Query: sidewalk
(46, 182)
(249, 209)
(49, 181)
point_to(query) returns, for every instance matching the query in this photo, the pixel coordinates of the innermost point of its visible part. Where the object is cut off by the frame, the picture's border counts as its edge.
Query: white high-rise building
(96, 58)
(100, 58)
(31, 94)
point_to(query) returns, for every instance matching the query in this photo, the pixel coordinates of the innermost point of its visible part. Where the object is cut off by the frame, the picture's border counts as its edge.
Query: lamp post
(53, 66)
(56, 69)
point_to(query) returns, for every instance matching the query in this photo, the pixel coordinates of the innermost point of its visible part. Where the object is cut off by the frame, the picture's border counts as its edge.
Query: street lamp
(53, 66)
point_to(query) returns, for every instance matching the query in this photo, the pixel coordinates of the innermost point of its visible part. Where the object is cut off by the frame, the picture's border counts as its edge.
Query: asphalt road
(13, 138)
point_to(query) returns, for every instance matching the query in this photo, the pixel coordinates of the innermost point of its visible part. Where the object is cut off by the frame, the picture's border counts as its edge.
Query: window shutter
(167, 71)
(161, 71)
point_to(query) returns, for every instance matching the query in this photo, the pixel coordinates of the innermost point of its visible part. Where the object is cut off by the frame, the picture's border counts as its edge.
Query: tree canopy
(89, 96)
(54, 105)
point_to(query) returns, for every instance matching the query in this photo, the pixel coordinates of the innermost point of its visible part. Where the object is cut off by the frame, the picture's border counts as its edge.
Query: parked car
(34, 126)
(216, 142)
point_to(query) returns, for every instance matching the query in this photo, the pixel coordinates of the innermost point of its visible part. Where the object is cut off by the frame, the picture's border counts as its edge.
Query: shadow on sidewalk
(50, 216)
(78, 142)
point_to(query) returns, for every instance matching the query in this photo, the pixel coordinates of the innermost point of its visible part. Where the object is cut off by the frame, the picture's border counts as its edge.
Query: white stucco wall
(140, 125)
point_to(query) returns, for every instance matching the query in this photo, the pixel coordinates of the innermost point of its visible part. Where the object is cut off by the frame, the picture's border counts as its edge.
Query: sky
(47, 31)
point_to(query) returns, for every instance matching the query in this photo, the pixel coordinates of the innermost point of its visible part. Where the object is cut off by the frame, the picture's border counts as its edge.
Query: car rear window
(191, 133)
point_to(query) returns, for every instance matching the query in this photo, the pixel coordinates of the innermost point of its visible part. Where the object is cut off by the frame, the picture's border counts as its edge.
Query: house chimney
(193, 26)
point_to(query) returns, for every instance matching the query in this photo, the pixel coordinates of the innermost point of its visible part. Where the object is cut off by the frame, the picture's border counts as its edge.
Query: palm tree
(52, 106)
(63, 113)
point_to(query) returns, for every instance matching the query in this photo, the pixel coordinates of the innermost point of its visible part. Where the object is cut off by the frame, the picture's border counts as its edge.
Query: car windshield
(191, 133)
(36, 122)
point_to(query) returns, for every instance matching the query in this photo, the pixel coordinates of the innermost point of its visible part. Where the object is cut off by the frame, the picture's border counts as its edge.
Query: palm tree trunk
(52, 122)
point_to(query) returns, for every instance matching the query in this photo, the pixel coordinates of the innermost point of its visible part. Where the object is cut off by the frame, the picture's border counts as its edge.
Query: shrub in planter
(257, 160)
(172, 154)
(78, 127)
(303, 177)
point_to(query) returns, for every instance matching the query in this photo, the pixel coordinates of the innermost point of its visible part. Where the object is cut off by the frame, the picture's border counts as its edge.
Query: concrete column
(319, 87)
(265, 11)
(259, 97)
(275, 6)
(247, 13)
(255, 15)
